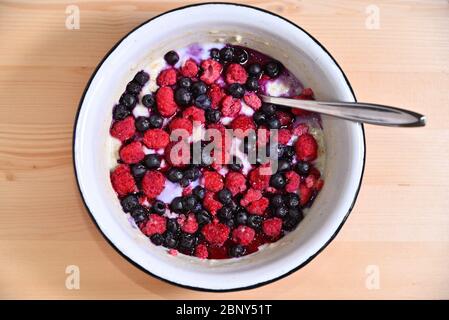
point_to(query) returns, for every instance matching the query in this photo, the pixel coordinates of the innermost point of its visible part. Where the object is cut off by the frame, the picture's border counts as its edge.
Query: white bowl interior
(256, 29)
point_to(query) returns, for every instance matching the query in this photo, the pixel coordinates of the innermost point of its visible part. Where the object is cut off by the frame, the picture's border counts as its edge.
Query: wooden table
(395, 243)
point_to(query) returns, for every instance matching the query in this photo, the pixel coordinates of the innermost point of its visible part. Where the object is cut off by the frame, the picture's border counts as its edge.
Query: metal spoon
(356, 111)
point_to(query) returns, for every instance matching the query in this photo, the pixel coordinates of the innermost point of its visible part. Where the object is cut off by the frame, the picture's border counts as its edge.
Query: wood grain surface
(398, 231)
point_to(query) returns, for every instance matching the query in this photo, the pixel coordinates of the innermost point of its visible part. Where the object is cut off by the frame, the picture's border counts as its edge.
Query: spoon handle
(356, 111)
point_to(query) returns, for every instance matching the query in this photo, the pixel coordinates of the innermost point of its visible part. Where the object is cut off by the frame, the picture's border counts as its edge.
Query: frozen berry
(172, 226)
(268, 109)
(252, 100)
(174, 175)
(199, 192)
(185, 83)
(306, 147)
(237, 251)
(213, 115)
(243, 126)
(203, 101)
(153, 183)
(165, 100)
(158, 207)
(170, 241)
(166, 77)
(189, 202)
(255, 70)
(138, 170)
(227, 54)
(152, 161)
(133, 88)
(155, 224)
(290, 223)
(236, 74)
(142, 124)
(192, 173)
(176, 205)
(201, 251)
(224, 195)
(283, 165)
(189, 69)
(171, 57)
(214, 53)
(148, 101)
(199, 88)
(252, 84)
(184, 182)
(277, 181)
(130, 202)
(141, 77)
(272, 69)
(120, 112)
(213, 181)
(139, 214)
(157, 239)
(241, 217)
(186, 241)
(259, 117)
(243, 235)
(181, 124)
(258, 207)
(255, 221)
(122, 180)
(235, 182)
(230, 106)
(272, 227)
(277, 201)
(292, 200)
(203, 217)
(211, 71)
(225, 213)
(236, 90)
(215, 233)
(156, 121)
(273, 123)
(303, 168)
(295, 213)
(132, 152)
(240, 55)
(280, 212)
(236, 164)
(128, 100)
(183, 97)
(156, 138)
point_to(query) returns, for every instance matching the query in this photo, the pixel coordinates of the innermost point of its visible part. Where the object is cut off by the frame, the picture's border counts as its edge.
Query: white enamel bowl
(268, 33)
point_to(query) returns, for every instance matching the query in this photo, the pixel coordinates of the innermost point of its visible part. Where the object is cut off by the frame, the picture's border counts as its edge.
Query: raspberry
(259, 206)
(236, 74)
(250, 196)
(211, 71)
(179, 157)
(210, 204)
(201, 251)
(132, 153)
(319, 184)
(153, 183)
(243, 235)
(243, 123)
(300, 129)
(122, 180)
(167, 77)
(181, 124)
(216, 94)
(306, 94)
(293, 180)
(304, 194)
(272, 227)
(252, 100)
(230, 107)
(124, 129)
(156, 138)
(194, 114)
(155, 224)
(173, 252)
(215, 233)
(213, 181)
(306, 147)
(235, 182)
(310, 181)
(284, 136)
(189, 225)
(165, 100)
(257, 180)
(284, 117)
(189, 69)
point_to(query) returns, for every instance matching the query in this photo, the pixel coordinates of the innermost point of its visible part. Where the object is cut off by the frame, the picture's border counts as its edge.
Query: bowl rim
(256, 285)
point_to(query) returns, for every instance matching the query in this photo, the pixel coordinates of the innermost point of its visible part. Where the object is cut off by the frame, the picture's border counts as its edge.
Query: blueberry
(189, 202)
(156, 121)
(280, 212)
(283, 165)
(272, 69)
(230, 223)
(268, 109)
(199, 88)
(158, 207)
(236, 164)
(241, 217)
(227, 54)
(152, 161)
(172, 226)
(148, 101)
(273, 123)
(292, 200)
(197, 208)
(303, 168)
(177, 204)
(171, 57)
(236, 90)
(252, 84)
(287, 152)
(141, 77)
(133, 88)
(170, 241)
(128, 100)
(203, 101)
(192, 174)
(295, 213)
(255, 222)
(203, 217)
(142, 124)
(254, 70)
(138, 171)
(240, 56)
(120, 112)
(213, 115)
(259, 117)
(277, 201)
(174, 175)
(157, 239)
(289, 224)
(225, 213)
(185, 83)
(277, 181)
(199, 192)
(224, 196)
(139, 214)
(130, 202)
(215, 53)
(186, 241)
(237, 251)
(183, 97)
(184, 182)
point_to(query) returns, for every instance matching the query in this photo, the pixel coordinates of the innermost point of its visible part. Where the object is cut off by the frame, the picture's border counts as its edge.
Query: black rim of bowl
(256, 285)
